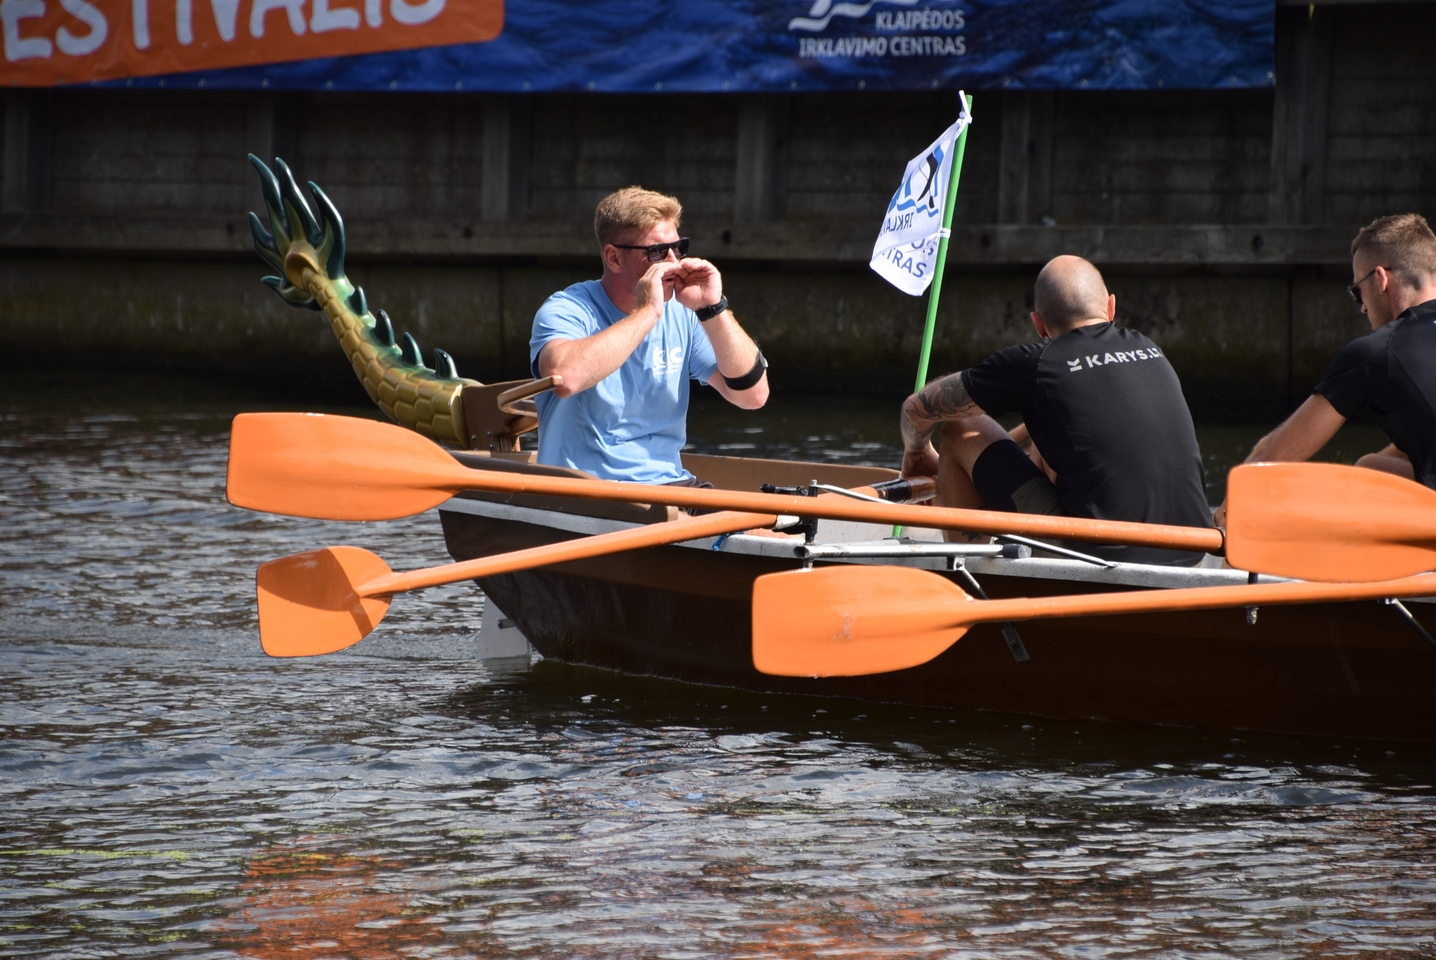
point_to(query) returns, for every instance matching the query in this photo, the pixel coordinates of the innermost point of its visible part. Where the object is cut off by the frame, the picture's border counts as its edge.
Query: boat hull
(1346, 669)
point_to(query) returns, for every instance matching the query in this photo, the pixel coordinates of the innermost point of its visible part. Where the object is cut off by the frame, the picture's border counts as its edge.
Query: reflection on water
(165, 789)
(304, 898)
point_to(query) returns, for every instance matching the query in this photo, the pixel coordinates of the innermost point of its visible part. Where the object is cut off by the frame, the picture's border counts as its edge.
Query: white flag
(906, 251)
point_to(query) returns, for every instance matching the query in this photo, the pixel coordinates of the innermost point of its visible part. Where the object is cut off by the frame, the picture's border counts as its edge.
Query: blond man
(629, 344)
(1390, 373)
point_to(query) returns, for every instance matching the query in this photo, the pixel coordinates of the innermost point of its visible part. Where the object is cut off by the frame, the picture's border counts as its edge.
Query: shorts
(1008, 480)
(693, 482)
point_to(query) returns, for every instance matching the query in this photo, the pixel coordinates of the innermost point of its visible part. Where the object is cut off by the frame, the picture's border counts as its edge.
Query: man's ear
(1040, 326)
(1111, 307)
(609, 256)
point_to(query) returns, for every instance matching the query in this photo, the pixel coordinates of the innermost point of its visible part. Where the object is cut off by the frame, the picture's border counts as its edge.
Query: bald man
(1106, 432)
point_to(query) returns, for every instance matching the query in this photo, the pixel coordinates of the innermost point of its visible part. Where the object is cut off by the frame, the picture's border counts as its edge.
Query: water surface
(167, 790)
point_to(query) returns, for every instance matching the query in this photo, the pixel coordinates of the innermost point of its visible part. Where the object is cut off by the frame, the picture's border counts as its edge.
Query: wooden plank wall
(1160, 158)
(586, 147)
(1381, 114)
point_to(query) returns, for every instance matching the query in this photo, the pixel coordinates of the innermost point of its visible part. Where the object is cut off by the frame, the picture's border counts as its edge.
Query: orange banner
(50, 42)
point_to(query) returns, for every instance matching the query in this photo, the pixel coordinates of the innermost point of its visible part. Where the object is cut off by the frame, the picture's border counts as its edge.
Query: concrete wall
(1221, 218)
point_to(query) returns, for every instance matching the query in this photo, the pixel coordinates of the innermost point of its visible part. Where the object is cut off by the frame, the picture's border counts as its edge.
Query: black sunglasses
(658, 252)
(1354, 291)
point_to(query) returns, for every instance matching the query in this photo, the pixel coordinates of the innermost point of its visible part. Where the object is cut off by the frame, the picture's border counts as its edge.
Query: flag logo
(906, 248)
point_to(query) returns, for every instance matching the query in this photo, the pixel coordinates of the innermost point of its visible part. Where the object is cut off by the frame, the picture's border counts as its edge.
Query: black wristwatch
(712, 310)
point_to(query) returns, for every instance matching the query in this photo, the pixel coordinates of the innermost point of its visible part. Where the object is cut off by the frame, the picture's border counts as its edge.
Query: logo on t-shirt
(1119, 356)
(665, 362)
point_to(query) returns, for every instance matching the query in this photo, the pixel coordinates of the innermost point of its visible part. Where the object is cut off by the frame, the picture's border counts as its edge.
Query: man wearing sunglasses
(629, 344)
(1389, 373)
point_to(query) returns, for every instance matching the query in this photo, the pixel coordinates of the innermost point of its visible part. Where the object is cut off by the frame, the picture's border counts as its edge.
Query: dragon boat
(683, 611)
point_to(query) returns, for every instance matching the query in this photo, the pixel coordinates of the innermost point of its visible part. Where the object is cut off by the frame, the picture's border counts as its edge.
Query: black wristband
(751, 378)
(712, 310)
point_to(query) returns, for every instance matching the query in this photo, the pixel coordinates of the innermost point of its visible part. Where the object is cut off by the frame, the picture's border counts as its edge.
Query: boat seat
(750, 473)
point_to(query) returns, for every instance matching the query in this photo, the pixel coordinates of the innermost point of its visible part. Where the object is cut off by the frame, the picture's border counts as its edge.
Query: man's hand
(656, 286)
(587, 360)
(920, 463)
(696, 283)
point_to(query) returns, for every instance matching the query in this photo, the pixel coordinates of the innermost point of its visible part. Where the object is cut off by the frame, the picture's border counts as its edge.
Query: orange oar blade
(309, 603)
(307, 464)
(1327, 522)
(847, 621)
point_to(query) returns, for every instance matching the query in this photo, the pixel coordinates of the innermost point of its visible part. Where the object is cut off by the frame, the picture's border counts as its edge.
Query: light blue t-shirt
(632, 424)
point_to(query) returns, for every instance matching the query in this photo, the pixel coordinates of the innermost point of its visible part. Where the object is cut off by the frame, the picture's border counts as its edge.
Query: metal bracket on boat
(1011, 538)
(798, 491)
(807, 526)
(897, 549)
(1411, 620)
(1252, 578)
(889, 491)
(845, 492)
(1061, 551)
(1009, 632)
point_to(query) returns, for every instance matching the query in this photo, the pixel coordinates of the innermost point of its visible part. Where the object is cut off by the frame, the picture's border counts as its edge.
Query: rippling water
(165, 789)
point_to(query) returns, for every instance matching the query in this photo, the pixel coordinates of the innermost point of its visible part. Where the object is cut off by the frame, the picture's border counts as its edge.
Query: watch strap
(712, 310)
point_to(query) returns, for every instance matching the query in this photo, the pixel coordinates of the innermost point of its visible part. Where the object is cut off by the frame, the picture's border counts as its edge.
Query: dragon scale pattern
(310, 258)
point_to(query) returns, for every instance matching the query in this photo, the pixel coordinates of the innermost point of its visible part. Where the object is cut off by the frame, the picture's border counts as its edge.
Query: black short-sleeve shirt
(1391, 374)
(1106, 409)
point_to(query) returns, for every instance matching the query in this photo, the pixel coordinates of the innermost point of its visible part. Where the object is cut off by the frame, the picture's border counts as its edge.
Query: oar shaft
(1191, 598)
(673, 531)
(341, 468)
(832, 507)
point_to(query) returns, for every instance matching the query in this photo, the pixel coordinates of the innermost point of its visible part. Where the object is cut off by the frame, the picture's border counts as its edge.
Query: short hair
(1067, 290)
(633, 209)
(1403, 244)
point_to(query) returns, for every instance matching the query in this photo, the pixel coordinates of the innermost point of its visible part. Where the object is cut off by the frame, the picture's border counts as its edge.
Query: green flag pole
(935, 290)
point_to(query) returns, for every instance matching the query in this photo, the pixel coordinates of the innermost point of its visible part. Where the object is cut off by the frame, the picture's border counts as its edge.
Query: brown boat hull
(1346, 669)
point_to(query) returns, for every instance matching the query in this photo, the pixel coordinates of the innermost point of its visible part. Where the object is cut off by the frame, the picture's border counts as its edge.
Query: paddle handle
(1189, 598)
(671, 531)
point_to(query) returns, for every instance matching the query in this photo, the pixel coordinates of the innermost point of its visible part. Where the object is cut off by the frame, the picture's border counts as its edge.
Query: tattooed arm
(941, 401)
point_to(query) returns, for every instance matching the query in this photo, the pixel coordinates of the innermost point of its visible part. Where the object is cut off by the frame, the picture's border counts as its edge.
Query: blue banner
(734, 46)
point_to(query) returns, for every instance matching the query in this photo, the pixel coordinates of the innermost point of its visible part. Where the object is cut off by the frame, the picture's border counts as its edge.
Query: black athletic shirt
(1106, 409)
(1391, 373)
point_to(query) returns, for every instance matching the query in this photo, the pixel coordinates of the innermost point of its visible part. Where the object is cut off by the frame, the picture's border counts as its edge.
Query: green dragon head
(307, 251)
